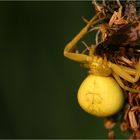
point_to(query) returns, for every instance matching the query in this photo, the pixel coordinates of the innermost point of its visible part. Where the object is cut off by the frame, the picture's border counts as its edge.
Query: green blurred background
(38, 86)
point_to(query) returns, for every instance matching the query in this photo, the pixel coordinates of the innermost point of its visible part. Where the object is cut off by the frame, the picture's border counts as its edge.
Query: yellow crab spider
(100, 93)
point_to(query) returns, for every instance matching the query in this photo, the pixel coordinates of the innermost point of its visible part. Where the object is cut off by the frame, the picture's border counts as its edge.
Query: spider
(98, 65)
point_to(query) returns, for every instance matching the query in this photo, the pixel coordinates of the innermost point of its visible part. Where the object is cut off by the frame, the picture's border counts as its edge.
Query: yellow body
(100, 96)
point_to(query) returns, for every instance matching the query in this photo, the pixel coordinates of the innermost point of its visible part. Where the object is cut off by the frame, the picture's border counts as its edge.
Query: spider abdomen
(100, 96)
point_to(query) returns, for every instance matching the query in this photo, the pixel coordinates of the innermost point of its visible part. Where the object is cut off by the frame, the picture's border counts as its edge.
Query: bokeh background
(38, 86)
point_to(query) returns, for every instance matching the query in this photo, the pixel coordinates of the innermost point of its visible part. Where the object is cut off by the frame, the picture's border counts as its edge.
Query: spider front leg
(68, 51)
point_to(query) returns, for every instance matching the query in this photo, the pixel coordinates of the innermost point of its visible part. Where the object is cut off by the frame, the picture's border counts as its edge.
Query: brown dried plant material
(132, 119)
(137, 134)
(111, 135)
(109, 123)
(126, 110)
(132, 137)
(124, 126)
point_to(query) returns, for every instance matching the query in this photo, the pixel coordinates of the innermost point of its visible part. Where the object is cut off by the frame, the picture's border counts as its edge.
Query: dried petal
(109, 123)
(111, 135)
(137, 134)
(132, 119)
(132, 137)
(124, 126)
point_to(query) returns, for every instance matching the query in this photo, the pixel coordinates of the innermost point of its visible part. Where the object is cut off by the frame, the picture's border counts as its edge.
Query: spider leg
(119, 81)
(129, 70)
(68, 51)
(126, 75)
(138, 65)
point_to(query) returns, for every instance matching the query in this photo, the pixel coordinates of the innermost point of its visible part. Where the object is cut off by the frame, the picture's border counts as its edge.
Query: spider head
(100, 67)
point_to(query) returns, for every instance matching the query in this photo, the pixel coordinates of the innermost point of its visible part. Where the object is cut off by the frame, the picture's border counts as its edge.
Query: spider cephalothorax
(99, 66)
